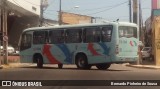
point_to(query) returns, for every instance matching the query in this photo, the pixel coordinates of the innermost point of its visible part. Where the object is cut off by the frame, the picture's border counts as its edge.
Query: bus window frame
(51, 35)
(134, 29)
(107, 33)
(45, 38)
(26, 45)
(90, 28)
(79, 38)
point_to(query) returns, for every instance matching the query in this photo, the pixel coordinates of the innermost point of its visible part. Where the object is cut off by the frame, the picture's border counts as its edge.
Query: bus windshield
(127, 31)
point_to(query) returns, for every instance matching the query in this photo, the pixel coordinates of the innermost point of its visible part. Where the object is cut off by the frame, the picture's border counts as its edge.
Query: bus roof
(81, 25)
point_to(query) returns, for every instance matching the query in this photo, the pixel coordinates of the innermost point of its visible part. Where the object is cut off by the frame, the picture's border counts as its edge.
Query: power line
(94, 8)
(90, 9)
(51, 3)
(51, 10)
(49, 13)
(114, 6)
(111, 7)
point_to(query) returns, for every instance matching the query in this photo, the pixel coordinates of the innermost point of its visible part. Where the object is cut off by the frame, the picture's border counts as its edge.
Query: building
(21, 14)
(71, 18)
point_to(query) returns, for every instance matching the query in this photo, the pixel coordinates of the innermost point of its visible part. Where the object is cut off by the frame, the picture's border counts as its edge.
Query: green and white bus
(98, 44)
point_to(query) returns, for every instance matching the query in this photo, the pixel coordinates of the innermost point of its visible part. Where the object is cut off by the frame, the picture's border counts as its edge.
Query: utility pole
(41, 13)
(60, 13)
(135, 11)
(140, 21)
(5, 36)
(130, 11)
(0, 30)
(135, 20)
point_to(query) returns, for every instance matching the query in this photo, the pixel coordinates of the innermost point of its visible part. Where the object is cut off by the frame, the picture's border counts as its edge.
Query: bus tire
(60, 66)
(81, 62)
(39, 61)
(103, 66)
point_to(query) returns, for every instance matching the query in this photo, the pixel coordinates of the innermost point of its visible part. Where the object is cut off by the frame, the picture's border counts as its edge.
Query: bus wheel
(103, 66)
(60, 66)
(39, 62)
(81, 62)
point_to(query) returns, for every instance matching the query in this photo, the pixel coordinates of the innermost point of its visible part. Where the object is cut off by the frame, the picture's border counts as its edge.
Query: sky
(109, 10)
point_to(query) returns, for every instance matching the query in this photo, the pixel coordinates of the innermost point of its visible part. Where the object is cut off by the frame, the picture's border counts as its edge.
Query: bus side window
(84, 35)
(25, 41)
(73, 35)
(56, 36)
(40, 37)
(92, 34)
(106, 34)
(80, 35)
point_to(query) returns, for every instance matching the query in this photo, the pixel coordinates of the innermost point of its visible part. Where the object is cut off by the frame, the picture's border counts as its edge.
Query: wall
(156, 39)
(71, 18)
(155, 4)
(30, 5)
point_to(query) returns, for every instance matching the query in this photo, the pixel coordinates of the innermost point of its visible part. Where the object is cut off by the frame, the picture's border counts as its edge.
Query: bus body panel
(26, 56)
(127, 45)
(96, 52)
(65, 53)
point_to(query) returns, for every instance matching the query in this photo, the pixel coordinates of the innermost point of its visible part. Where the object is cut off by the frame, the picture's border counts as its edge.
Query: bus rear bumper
(125, 59)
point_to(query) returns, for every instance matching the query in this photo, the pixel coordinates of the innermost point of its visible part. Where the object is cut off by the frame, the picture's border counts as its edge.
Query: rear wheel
(60, 66)
(103, 66)
(81, 62)
(39, 61)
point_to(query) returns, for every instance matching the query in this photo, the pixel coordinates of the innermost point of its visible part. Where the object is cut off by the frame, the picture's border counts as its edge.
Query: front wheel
(81, 62)
(39, 61)
(103, 66)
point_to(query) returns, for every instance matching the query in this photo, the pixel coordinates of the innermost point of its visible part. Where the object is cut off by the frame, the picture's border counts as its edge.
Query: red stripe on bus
(131, 43)
(92, 50)
(47, 53)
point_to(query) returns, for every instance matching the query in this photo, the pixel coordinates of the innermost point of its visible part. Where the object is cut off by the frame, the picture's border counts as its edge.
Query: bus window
(73, 35)
(92, 34)
(25, 41)
(56, 36)
(106, 34)
(40, 37)
(126, 31)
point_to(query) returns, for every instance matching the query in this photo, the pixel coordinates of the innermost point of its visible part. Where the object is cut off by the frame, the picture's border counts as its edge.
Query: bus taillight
(117, 49)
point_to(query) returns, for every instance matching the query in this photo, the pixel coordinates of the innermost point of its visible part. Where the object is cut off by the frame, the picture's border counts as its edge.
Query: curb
(143, 66)
(1, 67)
(10, 66)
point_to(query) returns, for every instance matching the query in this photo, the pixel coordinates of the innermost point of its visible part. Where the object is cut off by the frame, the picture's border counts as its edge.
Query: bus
(86, 45)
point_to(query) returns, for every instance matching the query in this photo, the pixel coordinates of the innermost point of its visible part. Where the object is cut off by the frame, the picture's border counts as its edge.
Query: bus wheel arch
(81, 61)
(37, 58)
